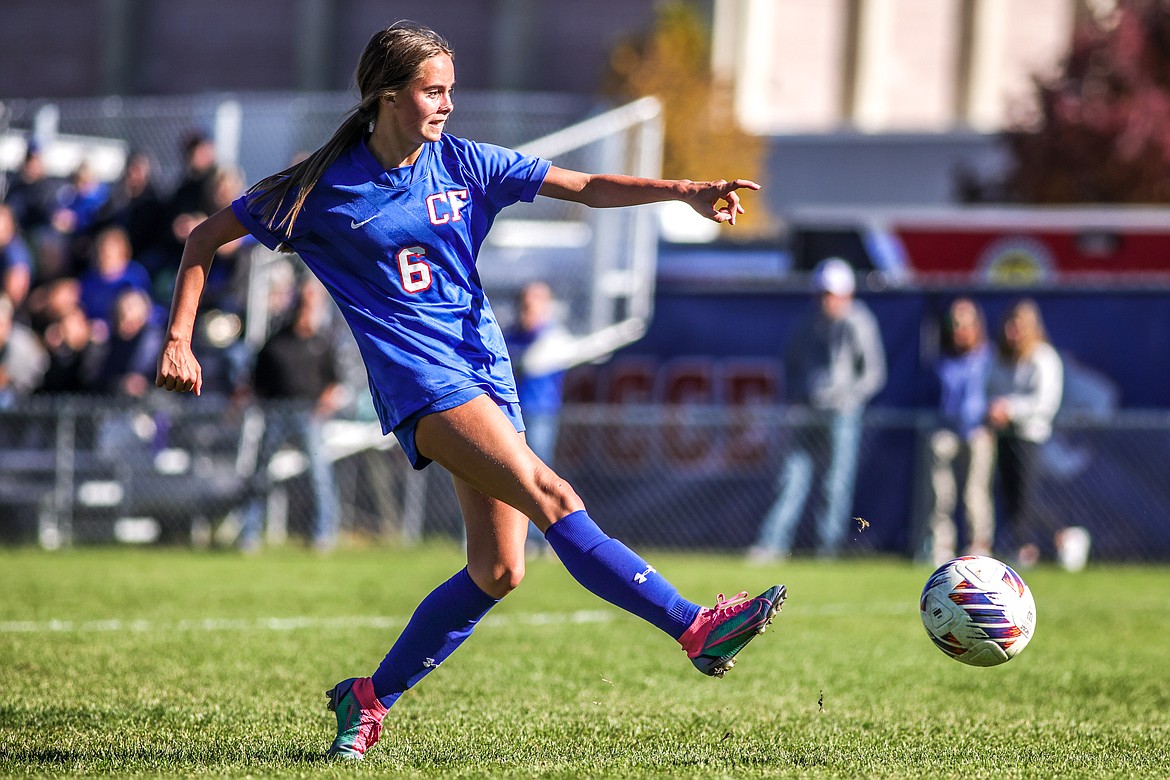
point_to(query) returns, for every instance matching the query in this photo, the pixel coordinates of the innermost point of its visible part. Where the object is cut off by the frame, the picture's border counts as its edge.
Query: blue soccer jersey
(397, 251)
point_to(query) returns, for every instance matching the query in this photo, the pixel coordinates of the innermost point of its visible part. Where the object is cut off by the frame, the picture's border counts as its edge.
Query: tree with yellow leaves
(672, 61)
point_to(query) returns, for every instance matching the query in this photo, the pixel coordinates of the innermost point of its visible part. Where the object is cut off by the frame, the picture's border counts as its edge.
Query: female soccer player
(390, 214)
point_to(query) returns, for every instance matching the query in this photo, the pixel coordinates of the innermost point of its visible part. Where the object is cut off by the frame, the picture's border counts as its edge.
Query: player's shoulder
(345, 170)
(459, 157)
(453, 151)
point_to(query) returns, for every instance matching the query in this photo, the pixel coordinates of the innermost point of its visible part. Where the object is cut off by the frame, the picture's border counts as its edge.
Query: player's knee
(556, 495)
(499, 579)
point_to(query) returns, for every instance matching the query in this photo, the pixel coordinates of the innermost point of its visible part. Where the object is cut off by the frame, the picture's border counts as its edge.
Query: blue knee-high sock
(609, 569)
(438, 626)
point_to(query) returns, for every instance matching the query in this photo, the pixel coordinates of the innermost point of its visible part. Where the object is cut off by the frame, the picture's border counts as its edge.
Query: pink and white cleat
(720, 632)
(359, 717)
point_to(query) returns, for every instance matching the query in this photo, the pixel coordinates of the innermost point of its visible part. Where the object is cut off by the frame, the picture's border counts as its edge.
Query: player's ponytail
(391, 60)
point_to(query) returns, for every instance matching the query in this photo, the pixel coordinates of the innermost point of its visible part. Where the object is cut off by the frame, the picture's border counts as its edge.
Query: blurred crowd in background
(88, 267)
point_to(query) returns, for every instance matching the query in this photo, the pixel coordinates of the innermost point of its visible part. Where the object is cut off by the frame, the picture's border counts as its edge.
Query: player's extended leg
(440, 624)
(446, 617)
(478, 444)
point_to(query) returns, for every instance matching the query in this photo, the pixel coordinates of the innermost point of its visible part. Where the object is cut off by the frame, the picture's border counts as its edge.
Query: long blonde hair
(391, 60)
(1024, 318)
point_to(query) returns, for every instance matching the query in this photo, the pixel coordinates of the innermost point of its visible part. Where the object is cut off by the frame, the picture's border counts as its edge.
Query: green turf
(167, 662)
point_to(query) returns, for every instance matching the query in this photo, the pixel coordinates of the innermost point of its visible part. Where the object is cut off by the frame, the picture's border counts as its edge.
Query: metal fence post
(46, 123)
(229, 119)
(413, 509)
(64, 474)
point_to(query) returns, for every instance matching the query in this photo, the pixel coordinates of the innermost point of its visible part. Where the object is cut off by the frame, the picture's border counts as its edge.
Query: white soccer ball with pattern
(978, 611)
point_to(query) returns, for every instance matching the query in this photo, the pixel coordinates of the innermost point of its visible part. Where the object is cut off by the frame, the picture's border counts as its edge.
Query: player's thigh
(478, 444)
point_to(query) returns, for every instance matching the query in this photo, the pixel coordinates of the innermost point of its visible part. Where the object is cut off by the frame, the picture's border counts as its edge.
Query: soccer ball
(978, 611)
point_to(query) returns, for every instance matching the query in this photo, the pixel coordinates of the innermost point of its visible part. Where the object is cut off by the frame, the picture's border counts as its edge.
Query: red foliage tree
(1103, 134)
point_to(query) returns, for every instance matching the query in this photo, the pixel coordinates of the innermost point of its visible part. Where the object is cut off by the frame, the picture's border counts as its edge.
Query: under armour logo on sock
(429, 663)
(641, 576)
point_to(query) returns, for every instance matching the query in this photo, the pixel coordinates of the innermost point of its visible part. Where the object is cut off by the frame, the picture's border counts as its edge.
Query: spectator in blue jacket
(112, 271)
(534, 343)
(129, 355)
(537, 348)
(962, 447)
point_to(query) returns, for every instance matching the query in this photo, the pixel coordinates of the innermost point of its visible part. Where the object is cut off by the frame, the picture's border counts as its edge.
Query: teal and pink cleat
(720, 632)
(359, 717)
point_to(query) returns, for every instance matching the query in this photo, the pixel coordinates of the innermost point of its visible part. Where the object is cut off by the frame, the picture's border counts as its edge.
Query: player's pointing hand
(707, 199)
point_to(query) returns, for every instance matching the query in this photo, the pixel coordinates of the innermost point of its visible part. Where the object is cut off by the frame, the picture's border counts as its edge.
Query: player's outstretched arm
(178, 369)
(715, 200)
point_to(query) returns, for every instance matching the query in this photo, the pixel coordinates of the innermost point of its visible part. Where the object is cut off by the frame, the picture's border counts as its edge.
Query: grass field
(172, 662)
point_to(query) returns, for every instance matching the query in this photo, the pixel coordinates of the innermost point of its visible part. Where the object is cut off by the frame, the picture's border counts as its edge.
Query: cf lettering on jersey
(444, 207)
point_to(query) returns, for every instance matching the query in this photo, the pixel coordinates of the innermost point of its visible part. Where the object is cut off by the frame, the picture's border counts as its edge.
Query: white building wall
(907, 65)
(796, 67)
(785, 58)
(1013, 43)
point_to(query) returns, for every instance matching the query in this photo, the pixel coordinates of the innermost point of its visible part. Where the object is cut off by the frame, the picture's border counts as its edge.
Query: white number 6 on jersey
(412, 266)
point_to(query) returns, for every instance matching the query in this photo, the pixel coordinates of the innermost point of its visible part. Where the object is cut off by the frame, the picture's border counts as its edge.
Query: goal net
(599, 263)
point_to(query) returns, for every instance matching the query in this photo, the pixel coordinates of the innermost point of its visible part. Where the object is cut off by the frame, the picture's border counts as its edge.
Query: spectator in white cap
(834, 364)
(835, 276)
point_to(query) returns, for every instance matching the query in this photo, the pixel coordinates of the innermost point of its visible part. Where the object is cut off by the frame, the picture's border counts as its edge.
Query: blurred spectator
(536, 344)
(224, 355)
(48, 303)
(223, 186)
(962, 448)
(162, 262)
(74, 356)
(22, 359)
(193, 192)
(114, 269)
(79, 202)
(135, 206)
(296, 377)
(32, 196)
(16, 260)
(130, 354)
(834, 365)
(227, 281)
(1024, 387)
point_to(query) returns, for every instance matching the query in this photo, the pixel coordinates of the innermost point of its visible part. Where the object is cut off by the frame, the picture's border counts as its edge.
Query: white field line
(370, 622)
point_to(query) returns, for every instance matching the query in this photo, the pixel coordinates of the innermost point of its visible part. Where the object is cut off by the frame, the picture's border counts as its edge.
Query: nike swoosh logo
(354, 224)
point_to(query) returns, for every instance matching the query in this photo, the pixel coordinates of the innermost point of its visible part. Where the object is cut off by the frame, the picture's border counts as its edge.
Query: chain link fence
(693, 477)
(174, 470)
(687, 475)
